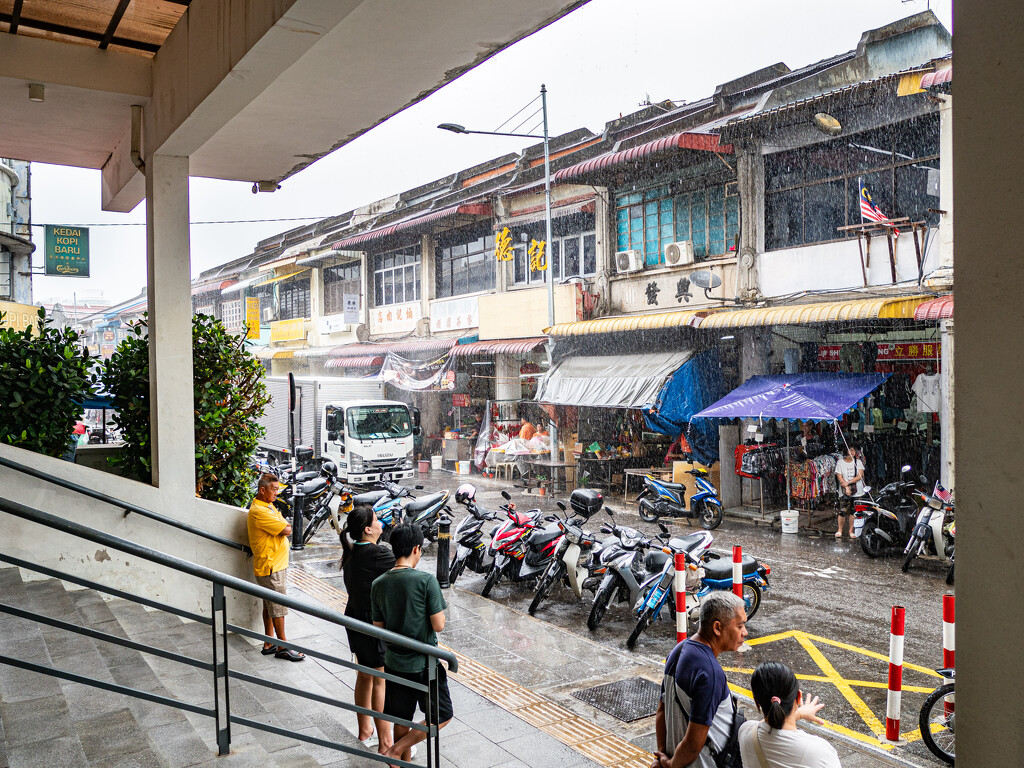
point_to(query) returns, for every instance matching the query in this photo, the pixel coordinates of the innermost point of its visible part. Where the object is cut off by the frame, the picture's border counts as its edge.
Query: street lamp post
(455, 128)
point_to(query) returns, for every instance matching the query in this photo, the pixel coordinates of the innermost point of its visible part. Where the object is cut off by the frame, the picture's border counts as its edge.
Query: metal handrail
(216, 577)
(126, 505)
(221, 712)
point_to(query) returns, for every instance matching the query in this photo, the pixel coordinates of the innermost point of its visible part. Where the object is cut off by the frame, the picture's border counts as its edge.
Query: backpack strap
(757, 748)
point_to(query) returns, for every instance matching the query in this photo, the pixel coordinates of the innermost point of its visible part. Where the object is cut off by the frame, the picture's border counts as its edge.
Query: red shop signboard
(888, 352)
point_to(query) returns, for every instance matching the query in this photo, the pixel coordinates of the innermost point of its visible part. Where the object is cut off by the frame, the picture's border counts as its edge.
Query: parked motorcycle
(470, 550)
(513, 557)
(706, 572)
(889, 519)
(327, 507)
(929, 535)
(951, 530)
(938, 719)
(569, 563)
(399, 507)
(663, 499)
(617, 570)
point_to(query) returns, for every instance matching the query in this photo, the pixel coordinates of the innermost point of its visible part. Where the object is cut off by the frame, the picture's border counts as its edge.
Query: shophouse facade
(16, 245)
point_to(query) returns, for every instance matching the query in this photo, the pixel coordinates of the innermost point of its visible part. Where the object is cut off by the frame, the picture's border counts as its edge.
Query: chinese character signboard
(351, 308)
(67, 251)
(888, 352)
(395, 318)
(462, 401)
(252, 318)
(503, 250)
(456, 315)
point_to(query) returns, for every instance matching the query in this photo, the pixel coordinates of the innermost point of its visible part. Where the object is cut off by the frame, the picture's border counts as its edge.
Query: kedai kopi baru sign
(67, 251)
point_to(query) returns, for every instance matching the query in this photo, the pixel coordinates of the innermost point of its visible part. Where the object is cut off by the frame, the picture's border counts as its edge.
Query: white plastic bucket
(790, 521)
(435, 462)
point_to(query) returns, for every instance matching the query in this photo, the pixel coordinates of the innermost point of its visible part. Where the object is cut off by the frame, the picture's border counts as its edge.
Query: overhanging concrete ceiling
(252, 91)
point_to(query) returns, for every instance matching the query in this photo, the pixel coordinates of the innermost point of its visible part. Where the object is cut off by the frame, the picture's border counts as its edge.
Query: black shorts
(369, 651)
(401, 701)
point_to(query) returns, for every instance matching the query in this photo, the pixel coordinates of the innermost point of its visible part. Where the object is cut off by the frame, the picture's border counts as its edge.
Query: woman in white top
(776, 742)
(850, 473)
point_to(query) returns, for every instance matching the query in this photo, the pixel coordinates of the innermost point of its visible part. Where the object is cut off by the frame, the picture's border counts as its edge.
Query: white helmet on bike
(465, 492)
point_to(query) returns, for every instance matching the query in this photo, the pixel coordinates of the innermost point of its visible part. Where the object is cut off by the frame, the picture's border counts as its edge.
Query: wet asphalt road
(824, 588)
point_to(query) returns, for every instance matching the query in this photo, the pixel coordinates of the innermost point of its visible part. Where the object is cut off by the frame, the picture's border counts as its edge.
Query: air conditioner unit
(628, 261)
(679, 253)
(268, 314)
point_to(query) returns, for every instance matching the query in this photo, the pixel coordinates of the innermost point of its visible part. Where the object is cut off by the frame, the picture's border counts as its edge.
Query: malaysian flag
(868, 210)
(942, 494)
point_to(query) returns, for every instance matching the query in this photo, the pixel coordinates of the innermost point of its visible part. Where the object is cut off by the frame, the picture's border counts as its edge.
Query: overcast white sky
(598, 62)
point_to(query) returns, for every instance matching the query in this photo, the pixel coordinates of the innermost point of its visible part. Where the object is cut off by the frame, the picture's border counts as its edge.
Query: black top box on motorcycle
(586, 502)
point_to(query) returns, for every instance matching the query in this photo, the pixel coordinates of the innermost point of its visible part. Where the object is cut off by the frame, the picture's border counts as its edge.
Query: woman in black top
(362, 561)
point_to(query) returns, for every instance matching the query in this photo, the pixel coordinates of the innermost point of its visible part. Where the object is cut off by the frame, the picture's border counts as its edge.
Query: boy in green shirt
(409, 602)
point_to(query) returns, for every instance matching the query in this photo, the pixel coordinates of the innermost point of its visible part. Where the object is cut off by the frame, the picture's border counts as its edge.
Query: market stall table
(553, 467)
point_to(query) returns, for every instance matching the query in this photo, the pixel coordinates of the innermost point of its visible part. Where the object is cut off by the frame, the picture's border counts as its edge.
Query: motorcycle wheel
(942, 742)
(870, 542)
(949, 575)
(458, 566)
(646, 511)
(492, 579)
(602, 600)
(646, 617)
(752, 597)
(314, 525)
(709, 515)
(914, 544)
(544, 588)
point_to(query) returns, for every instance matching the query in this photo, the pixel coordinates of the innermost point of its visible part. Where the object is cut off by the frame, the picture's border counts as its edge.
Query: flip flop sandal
(267, 651)
(290, 655)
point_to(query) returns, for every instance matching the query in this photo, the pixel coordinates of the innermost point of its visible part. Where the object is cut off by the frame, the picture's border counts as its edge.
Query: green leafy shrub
(229, 397)
(44, 378)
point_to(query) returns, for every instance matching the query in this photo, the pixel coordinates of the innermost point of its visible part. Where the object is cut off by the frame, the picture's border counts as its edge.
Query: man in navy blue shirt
(696, 709)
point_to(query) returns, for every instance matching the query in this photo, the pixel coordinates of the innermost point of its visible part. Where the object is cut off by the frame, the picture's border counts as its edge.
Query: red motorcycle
(520, 546)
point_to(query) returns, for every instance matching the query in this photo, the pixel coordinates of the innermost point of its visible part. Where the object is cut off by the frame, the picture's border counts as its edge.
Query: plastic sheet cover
(806, 396)
(696, 384)
(619, 381)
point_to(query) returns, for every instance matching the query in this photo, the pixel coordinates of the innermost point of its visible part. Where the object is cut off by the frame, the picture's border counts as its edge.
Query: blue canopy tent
(696, 383)
(804, 396)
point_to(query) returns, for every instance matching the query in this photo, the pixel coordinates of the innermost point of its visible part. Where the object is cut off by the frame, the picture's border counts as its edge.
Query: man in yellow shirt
(268, 538)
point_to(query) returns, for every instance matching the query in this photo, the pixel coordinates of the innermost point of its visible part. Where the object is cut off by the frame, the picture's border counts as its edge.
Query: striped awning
(937, 78)
(936, 309)
(827, 312)
(367, 361)
(211, 287)
(499, 347)
(678, 319)
(707, 142)
(400, 347)
(429, 217)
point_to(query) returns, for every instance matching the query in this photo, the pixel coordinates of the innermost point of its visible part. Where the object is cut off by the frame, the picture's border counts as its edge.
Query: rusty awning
(706, 142)
(413, 222)
(499, 347)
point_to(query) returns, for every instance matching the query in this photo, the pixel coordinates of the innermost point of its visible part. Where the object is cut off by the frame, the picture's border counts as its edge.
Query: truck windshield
(376, 422)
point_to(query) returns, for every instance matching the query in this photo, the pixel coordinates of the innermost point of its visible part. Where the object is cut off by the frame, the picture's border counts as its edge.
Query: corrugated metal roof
(367, 361)
(677, 319)
(833, 311)
(499, 347)
(694, 138)
(936, 309)
(467, 209)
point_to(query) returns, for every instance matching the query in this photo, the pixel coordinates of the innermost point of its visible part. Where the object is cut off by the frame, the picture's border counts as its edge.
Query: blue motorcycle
(706, 571)
(396, 506)
(663, 499)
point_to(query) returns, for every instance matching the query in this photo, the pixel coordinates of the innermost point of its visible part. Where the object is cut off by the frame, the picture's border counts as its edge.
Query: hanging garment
(928, 388)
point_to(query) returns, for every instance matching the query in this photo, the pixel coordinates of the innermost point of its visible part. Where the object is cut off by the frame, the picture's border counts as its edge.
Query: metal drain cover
(625, 700)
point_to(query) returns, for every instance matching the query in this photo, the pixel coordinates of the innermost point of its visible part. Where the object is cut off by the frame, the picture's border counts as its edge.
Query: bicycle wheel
(937, 724)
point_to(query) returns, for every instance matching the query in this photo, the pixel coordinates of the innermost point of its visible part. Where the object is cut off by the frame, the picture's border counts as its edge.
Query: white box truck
(347, 421)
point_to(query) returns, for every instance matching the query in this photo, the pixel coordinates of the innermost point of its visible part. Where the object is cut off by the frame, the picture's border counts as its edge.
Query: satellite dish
(705, 280)
(362, 333)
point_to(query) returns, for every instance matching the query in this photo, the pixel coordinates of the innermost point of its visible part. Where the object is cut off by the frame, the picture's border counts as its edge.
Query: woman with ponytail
(776, 742)
(362, 561)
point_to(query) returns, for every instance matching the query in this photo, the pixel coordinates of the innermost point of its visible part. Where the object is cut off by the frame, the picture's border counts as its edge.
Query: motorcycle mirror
(922, 480)
(661, 525)
(550, 518)
(504, 495)
(418, 487)
(905, 468)
(560, 505)
(664, 535)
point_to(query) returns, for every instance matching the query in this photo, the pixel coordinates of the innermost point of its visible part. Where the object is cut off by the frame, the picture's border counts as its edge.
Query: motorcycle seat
(689, 543)
(369, 498)
(313, 487)
(425, 502)
(522, 519)
(722, 568)
(672, 486)
(303, 477)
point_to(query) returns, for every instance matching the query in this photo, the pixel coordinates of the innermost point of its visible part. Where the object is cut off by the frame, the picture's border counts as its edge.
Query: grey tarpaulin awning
(619, 381)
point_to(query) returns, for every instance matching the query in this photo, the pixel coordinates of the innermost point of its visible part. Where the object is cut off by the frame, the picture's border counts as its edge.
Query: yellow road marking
(873, 655)
(823, 679)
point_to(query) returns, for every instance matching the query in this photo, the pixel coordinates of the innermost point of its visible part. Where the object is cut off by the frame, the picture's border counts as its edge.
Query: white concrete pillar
(947, 411)
(989, 365)
(508, 385)
(170, 327)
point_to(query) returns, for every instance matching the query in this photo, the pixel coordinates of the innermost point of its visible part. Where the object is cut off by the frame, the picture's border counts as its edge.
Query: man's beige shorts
(277, 581)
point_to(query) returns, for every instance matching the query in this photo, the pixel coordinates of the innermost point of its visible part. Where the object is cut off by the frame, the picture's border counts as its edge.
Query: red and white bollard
(737, 571)
(680, 563)
(948, 643)
(892, 702)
